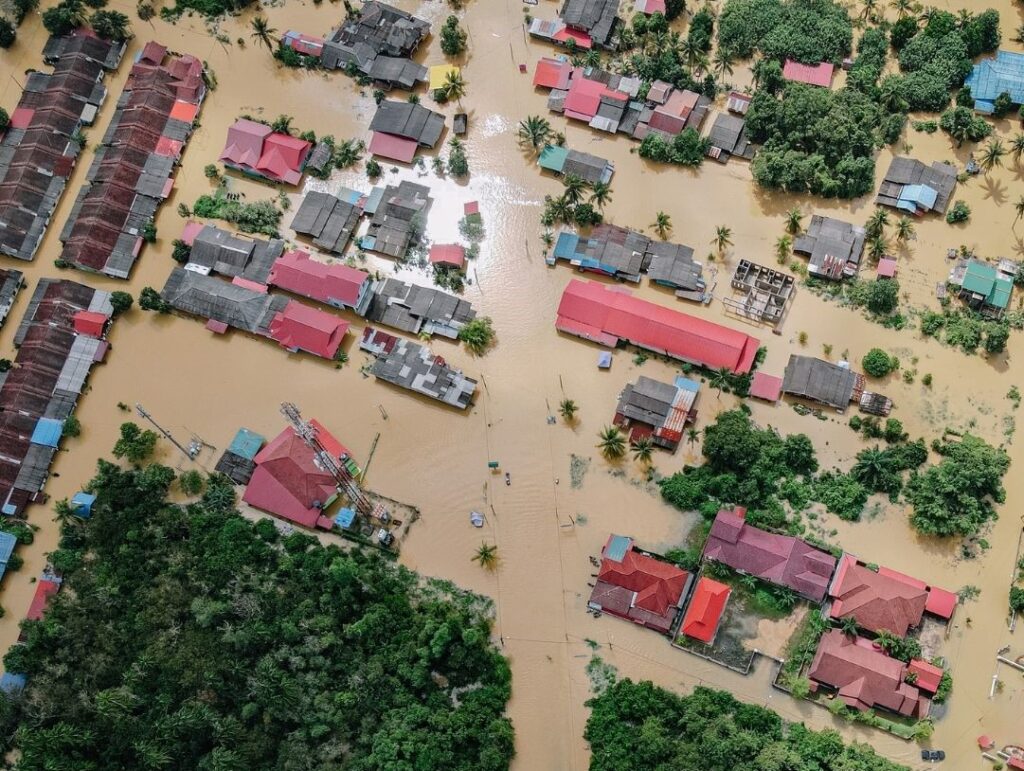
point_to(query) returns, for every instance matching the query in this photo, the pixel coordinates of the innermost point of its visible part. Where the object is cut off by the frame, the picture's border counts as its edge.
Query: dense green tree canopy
(190, 638)
(640, 726)
(809, 31)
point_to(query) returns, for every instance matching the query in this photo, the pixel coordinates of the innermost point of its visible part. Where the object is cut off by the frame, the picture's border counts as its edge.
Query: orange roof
(928, 675)
(184, 111)
(705, 611)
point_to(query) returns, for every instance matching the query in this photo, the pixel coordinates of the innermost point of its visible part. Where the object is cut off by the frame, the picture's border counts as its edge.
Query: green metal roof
(999, 297)
(552, 158)
(979, 278)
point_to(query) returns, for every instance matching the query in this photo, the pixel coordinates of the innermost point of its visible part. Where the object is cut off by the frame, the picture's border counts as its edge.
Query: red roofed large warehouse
(609, 316)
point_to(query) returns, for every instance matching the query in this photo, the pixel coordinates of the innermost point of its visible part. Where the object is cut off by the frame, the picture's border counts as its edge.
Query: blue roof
(552, 158)
(604, 360)
(992, 77)
(7, 544)
(565, 246)
(12, 683)
(345, 518)
(246, 443)
(47, 432)
(617, 547)
(81, 504)
(349, 195)
(922, 196)
(686, 384)
(373, 200)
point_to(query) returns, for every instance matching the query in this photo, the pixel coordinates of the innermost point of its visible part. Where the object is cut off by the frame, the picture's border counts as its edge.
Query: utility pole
(166, 434)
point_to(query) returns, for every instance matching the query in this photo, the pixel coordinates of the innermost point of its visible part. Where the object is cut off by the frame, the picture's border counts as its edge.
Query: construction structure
(762, 293)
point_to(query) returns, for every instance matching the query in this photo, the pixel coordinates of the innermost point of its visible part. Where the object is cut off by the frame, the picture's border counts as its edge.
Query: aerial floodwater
(548, 496)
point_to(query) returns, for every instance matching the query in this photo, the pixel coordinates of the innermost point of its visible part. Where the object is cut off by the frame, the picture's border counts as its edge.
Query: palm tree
(689, 51)
(547, 238)
(487, 556)
(454, 86)
(794, 220)
(612, 444)
(642, 449)
(993, 154)
(873, 468)
(262, 31)
(1019, 208)
(561, 209)
(663, 224)
(904, 229)
(719, 379)
(723, 63)
(568, 410)
(963, 18)
(600, 194)
(692, 436)
(574, 187)
(903, 7)
(782, 246)
(878, 247)
(848, 625)
(701, 65)
(877, 222)
(890, 95)
(723, 237)
(869, 10)
(592, 58)
(1017, 146)
(534, 131)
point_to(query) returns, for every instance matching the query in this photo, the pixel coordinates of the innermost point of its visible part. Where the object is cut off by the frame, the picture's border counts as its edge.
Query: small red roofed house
(705, 610)
(452, 255)
(255, 149)
(638, 587)
(334, 284)
(812, 74)
(45, 589)
(302, 328)
(288, 483)
(552, 73)
(865, 677)
(244, 144)
(90, 323)
(928, 676)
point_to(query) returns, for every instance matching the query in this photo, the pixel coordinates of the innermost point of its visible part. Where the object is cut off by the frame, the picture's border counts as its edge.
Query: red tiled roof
(639, 588)
(245, 143)
(596, 312)
(184, 111)
(705, 611)
(877, 601)
(307, 329)
(928, 675)
(448, 254)
(552, 73)
(287, 482)
(865, 676)
(392, 147)
(153, 53)
(90, 323)
(940, 602)
(812, 74)
(283, 157)
(767, 387)
(779, 559)
(334, 284)
(45, 589)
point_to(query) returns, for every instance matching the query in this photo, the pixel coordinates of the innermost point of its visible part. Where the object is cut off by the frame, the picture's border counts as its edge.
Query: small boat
(508, 478)
(476, 519)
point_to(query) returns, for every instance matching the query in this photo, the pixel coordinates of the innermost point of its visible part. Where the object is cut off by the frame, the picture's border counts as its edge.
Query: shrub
(878, 363)
(7, 33)
(453, 37)
(121, 302)
(72, 427)
(883, 295)
(960, 212)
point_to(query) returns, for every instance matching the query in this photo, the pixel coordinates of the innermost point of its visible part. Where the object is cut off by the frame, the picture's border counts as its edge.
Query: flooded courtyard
(547, 526)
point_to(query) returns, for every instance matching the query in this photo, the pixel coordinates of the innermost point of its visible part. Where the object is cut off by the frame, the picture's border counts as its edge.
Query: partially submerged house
(301, 43)
(133, 166)
(984, 287)
(40, 145)
(883, 599)
(378, 40)
(397, 216)
(672, 265)
(238, 461)
(682, 109)
(235, 305)
(991, 77)
(11, 282)
(609, 316)
(865, 677)
(819, 74)
(413, 367)
(258, 151)
(778, 559)
(763, 292)
(300, 327)
(418, 309)
(911, 186)
(565, 162)
(330, 220)
(834, 247)
(728, 138)
(334, 284)
(597, 19)
(659, 411)
(822, 382)
(214, 250)
(61, 336)
(638, 586)
(704, 613)
(448, 256)
(400, 128)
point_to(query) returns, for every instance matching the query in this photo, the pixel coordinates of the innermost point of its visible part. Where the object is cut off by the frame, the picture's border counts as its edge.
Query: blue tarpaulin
(686, 384)
(47, 432)
(81, 504)
(345, 518)
(7, 544)
(12, 683)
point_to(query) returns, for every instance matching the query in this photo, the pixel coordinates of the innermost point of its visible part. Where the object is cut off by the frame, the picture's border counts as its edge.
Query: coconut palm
(534, 131)
(561, 209)
(642, 449)
(612, 444)
(592, 58)
(890, 95)
(904, 229)
(783, 244)
(1017, 146)
(722, 63)
(600, 194)
(487, 556)
(692, 436)
(848, 625)
(902, 7)
(454, 86)
(964, 18)
(663, 224)
(263, 32)
(877, 223)
(723, 237)
(719, 379)
(1019, 208)
(574, 187)
(547, 238)
(282, 124)
(878, 247)
(869, 9)
(873, 469)
(992, 155)
(794, 220)
(701, 65)
(568, 409)
(689, 51)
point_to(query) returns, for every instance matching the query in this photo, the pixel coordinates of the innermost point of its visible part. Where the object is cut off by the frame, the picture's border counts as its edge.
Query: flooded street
(436, 458)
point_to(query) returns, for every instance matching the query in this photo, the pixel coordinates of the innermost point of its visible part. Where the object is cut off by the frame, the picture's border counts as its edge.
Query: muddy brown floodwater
(436, 458)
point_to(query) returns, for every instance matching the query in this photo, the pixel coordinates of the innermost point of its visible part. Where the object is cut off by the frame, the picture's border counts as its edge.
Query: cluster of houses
(61, 336)
(582, 25)
(650, 591)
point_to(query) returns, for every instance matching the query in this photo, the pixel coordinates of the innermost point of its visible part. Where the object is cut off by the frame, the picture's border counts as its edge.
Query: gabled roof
(928, 675)
(334, 284)
(992, 77)
(45, 589)
(597, 17)
(705, 610)
(300, 327)
(409, 121)
(394, 148)
(90, 323)
(812, 74)
(448, 254)
(877, 600)
(552, 73)
(821, 381)
(244, 144)
(778, 559)
(283, 157)
(606, 315)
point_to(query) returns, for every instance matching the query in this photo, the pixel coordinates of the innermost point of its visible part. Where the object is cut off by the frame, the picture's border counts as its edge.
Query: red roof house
(705, 611)
(302, 328)
(90, 323)
(552, 73)
(283, 158)
(608, 315)
(392, 147)
(928, 675)
(335, 284)
(766, 387)
(778, 559)
(584, 97)
(884, 599)
(864, 676)
(448, 254)
(45, 589)
(811, 74)
(581, 38)
(153, 53)
(637, 587)
(288, 483)
(244, 145)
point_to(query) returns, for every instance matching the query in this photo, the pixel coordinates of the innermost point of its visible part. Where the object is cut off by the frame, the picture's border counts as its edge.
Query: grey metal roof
(648, 401)
(213, 298)
(673, 265)
(729, 135)
(408, 120)
(833, 246)
(396, 71)
(941, 177)
(10, 284)
(413, 367)
(588, 167)
(327, 219)
(220, 251)
(383, 28)
(412, 308)
(391, 227)
(820, 381)
(597, 17)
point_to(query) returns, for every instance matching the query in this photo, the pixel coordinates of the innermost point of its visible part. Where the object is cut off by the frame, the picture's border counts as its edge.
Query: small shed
(438, 75)
(48, 432)
(460, 123)
(345, 518)
(471, 211)
(82, 503)
(452, 255)
(886, 268)
(246, 443)
(766, 387)
(604, 360)
(91, 323)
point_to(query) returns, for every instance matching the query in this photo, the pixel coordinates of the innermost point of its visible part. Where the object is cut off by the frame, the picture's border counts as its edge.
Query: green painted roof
(552, 158)
(979, 278)
(999, 297)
